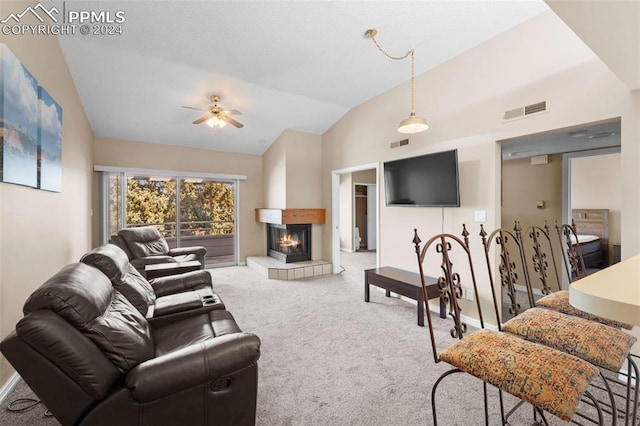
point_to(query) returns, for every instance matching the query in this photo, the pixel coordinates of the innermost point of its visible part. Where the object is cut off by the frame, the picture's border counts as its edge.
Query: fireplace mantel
(290, 216)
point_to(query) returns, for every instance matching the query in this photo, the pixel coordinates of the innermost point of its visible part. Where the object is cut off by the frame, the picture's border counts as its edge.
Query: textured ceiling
(298, 65)
(589, 136)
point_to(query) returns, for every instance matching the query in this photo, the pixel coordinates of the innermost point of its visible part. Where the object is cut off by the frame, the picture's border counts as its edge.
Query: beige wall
(523, 184)
(364, 176)
(610, 29)
(274, 175)
(291, 171)
(464, 100)
(304, 180)
(42, 231)
(112, 152)
(596, 184)
(292, 178)
(630, 154)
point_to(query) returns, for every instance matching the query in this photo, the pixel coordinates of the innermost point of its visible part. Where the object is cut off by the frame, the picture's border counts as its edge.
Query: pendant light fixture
(411, 124)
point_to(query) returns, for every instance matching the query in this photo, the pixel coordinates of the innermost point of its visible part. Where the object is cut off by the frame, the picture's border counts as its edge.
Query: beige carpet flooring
(329, 358)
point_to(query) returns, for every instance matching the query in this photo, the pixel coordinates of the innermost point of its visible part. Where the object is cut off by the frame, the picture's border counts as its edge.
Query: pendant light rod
(412, 124)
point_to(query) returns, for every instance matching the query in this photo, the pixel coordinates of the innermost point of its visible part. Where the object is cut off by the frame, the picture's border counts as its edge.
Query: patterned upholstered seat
(560, 325)
(591, 341)
(559, 301)
(547, 378)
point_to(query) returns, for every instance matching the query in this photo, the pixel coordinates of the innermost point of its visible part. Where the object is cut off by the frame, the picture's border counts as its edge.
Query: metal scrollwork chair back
(571, 251)
(449, 281)
(512, 267)
(500, 359)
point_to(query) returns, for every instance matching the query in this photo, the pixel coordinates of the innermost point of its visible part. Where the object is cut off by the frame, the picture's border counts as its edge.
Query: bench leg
(420, 312)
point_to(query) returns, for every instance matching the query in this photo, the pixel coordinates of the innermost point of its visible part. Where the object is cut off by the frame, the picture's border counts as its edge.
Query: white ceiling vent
(403, 142)
(525, 111)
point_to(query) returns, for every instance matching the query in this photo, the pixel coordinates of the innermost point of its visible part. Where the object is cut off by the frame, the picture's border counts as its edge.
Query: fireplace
(289, 243)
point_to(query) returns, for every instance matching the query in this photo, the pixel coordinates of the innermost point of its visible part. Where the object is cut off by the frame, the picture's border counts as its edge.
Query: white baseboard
(8, 386)
(536, 291)
(473, 322)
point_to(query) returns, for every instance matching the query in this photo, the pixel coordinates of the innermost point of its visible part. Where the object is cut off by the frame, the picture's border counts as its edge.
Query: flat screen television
(429, 180)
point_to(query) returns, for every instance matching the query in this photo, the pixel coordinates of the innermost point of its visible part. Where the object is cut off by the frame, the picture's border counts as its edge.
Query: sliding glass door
(187, 211)
(207, 217)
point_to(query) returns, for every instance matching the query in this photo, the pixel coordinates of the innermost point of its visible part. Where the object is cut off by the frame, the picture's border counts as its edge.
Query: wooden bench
(404, 283)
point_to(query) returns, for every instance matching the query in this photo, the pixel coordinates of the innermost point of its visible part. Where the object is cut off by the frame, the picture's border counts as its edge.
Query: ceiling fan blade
(197, 109)
(232, 112)
(231, 121)
(202, 119)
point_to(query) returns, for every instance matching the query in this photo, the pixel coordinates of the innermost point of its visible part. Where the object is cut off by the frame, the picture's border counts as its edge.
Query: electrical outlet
(480, 215)
(467, 293)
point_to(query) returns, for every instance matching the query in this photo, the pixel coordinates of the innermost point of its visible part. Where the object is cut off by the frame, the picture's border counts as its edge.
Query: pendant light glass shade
(413, 124)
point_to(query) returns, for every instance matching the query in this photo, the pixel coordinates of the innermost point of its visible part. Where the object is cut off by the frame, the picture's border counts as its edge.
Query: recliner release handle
(221, 384)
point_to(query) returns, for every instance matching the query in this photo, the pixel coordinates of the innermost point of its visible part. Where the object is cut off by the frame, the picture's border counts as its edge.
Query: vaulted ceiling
(298, 65)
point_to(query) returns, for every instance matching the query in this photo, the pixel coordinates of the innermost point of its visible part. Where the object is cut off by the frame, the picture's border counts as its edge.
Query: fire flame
(288, 241)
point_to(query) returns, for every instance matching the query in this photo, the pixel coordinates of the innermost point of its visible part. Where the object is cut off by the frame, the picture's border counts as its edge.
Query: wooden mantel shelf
(290, 216)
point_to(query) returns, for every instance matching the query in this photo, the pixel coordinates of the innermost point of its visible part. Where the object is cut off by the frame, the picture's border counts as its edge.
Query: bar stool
(589, 337)
(575, 269)
(551, 380)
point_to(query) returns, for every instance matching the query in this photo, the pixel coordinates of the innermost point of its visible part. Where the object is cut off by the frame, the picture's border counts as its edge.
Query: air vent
(525, 111)
(514, 113)
(403, 142)
(533, 108)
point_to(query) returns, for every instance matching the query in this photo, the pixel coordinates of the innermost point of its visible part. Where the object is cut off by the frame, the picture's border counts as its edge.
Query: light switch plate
(480, 216)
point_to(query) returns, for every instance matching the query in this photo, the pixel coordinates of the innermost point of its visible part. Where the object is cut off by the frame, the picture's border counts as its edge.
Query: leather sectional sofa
(145, 245)
(162, 299)
(95, 358)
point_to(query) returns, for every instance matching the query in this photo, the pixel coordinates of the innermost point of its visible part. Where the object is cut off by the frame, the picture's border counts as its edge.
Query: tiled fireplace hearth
(289, 244)
(273, 269)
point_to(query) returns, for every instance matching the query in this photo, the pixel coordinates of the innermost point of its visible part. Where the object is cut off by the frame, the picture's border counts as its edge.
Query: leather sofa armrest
(172, 284)
(155, 259)
(141, 262)
(192, 366)
(199, 251)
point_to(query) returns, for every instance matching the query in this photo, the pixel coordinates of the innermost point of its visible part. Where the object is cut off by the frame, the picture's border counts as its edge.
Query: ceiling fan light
(215, 122)
(413, 124)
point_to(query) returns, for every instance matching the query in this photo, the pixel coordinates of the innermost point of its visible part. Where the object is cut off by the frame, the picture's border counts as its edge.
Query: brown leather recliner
(145, 245)
(162, 299)
(93, 359)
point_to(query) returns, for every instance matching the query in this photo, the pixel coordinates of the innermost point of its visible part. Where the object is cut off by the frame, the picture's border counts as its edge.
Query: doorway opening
(538, 185)
(364, 202)
(343, 210)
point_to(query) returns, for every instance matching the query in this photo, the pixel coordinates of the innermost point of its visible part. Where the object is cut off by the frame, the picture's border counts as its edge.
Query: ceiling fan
(216, 116)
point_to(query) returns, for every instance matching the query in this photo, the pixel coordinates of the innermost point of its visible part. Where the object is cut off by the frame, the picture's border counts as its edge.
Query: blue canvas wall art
(49, 142)
(18, 121)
